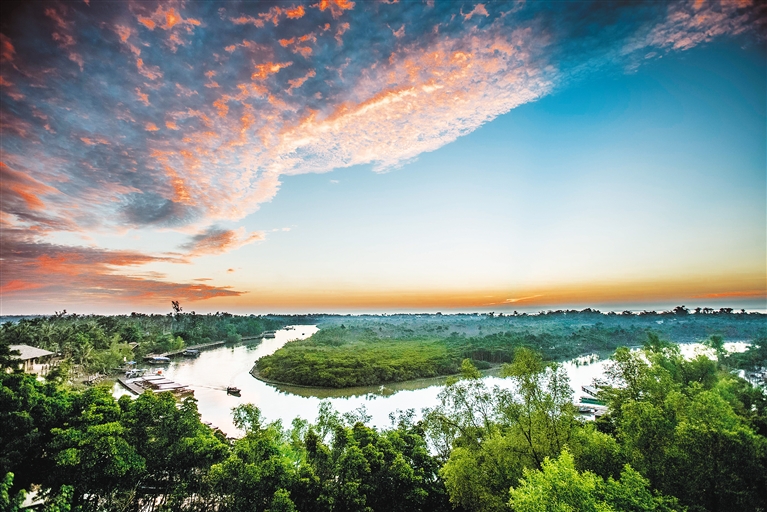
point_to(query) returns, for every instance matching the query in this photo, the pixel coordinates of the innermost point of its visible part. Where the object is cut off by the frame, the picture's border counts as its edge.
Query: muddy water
(214, 370)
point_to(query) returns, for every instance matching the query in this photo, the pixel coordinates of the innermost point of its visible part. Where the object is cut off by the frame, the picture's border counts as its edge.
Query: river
(214, 370)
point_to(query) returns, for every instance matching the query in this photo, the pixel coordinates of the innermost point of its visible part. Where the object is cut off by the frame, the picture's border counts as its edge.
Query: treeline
(372, 350)
(678, 435)
(678, 324)
(96, 343)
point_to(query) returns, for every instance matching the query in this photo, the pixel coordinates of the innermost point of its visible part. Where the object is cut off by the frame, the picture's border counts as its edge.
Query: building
(34, 360)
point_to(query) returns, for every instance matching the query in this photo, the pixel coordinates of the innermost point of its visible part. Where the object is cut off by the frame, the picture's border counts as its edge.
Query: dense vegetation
(679, 435)
(370, 350)
(97, 344)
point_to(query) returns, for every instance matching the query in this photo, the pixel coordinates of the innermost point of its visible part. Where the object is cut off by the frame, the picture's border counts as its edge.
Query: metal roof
(28, 352)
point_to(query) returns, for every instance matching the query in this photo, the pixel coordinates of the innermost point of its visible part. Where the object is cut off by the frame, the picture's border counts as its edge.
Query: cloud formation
(35, 270)
(180, 115)
(215, 240)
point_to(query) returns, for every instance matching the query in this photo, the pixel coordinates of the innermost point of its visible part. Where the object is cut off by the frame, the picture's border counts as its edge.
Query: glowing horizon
(361, 156)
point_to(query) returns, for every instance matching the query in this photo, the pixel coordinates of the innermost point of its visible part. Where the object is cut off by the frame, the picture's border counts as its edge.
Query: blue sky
(513, 157)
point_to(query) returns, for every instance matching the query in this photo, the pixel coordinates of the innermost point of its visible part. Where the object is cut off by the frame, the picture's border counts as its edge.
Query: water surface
(214, 370)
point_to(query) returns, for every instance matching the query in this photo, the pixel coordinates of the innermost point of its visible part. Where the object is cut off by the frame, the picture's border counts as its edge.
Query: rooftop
(28, 352)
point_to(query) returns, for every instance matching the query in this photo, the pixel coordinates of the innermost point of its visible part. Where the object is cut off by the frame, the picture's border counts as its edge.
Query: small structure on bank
(33, 359)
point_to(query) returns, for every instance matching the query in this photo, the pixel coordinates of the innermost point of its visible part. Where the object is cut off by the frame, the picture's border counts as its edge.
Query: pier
(154, 383)
(130, 386)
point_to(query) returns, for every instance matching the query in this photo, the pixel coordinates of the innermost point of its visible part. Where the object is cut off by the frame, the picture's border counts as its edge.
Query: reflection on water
(214, 370)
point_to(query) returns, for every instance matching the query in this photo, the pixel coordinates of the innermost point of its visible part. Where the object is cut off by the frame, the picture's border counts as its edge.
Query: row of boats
(589, 403)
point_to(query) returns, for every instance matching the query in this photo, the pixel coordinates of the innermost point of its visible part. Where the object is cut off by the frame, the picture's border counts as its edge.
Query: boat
(592, 401)
(191, 352)
(132, 374)
(159, 360)
(591, 390)
(231, 390)
(268, 334)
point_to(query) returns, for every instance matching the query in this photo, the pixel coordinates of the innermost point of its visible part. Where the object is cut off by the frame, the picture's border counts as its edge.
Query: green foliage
(679, 426)
(99, 344)
(352, 357)
(9, 502)
(679, 434)
(371, 350)
(559, 487)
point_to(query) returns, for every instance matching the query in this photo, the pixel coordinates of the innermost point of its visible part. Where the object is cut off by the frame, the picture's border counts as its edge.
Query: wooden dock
(130, 386)
(153, 383)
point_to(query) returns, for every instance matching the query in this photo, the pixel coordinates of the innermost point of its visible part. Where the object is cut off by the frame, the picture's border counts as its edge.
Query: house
(34, 360)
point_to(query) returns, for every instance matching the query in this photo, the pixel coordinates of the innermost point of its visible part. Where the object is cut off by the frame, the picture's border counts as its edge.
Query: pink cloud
(215, 240)
(479, 10)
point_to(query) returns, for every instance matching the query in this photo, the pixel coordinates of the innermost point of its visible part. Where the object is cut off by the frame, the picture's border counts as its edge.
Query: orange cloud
(6, 49)
(123, 32)
(42, 271)
(690, 23)
(64, 34)
(305, 51)
(142, 96)
(166, 19)
(336, 7)
(295, 13)
(17, 285)
(221, 105)
(147, 22)
(298, 82)
(20, 190)
(423, 98)
(273, 16)
(151, 127)
(244, 20)
(264, 70)
(151, 72)
(93, 141)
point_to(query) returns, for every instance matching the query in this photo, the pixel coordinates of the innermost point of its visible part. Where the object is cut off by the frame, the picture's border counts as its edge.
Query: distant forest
(375, 349)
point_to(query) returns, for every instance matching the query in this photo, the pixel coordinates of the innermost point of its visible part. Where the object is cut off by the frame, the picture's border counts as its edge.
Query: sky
(380, 156)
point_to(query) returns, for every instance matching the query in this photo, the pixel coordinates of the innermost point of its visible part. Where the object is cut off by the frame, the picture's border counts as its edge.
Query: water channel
(214, 370)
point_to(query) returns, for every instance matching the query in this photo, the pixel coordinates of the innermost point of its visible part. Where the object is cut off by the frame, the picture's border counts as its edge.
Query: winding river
(214, 370)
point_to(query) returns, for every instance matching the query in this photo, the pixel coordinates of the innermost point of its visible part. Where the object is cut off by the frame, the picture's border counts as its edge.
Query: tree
(559, 486)
(8, 357)
(10, 501)
(493, 435)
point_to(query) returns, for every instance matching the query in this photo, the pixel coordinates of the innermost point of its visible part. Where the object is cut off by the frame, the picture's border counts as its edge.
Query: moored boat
(231, 390)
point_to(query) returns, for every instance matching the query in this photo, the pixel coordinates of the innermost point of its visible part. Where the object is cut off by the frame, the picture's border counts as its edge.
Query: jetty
(154, 383)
